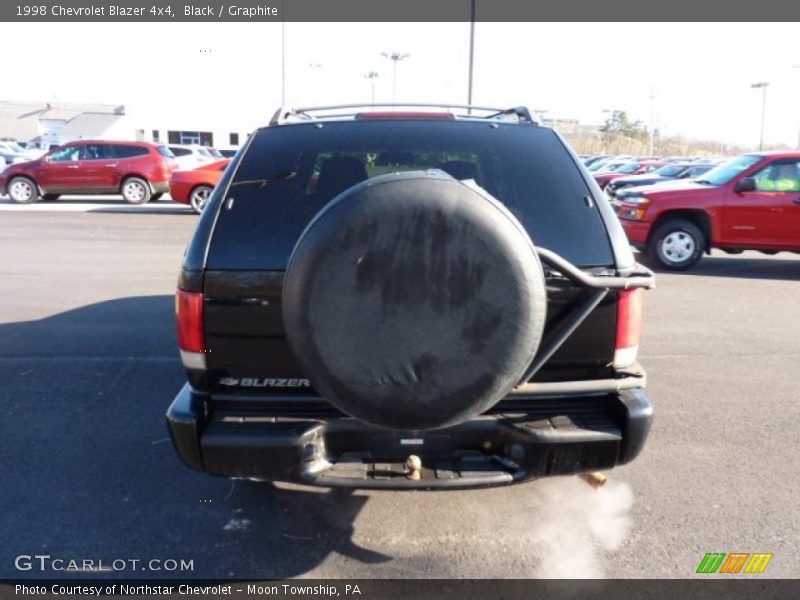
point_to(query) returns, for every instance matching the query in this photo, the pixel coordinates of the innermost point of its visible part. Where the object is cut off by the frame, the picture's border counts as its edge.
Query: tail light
(629, 327)
(191, 336)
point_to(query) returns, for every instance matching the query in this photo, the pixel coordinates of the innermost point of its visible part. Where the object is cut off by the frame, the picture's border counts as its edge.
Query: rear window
(126, 151)
(179, 151)
(289, 173)
(164, 151)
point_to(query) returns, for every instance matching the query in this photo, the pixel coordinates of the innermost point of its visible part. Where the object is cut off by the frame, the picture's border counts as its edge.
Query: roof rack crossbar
(288, 115)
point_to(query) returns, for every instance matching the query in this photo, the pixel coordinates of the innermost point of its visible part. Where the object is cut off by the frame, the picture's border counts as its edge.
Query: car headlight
(635, 200)
(633, 208)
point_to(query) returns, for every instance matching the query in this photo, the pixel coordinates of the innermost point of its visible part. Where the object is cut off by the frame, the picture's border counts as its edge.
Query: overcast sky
(218, 72)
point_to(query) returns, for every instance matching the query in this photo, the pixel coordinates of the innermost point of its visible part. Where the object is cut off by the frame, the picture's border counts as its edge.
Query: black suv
(438, 297)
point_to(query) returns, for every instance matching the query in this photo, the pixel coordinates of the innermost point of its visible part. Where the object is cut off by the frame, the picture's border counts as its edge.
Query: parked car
(594, 159)
(191, 156)
(664, 173)
(137, 170)
(392, 326)
(12, 152)
(751, 202)
(636, 167)
(194, 187)
(608, 164)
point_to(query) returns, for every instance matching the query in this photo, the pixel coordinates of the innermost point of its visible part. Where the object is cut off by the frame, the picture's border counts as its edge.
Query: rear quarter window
(289, 173)
(128, 151)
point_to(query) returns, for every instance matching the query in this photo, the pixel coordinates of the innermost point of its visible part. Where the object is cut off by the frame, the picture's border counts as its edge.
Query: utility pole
(652, 123)
(283, 56)
(372, 76)
(763, 85)
(798, 123)
(471, 54)
(395, 57)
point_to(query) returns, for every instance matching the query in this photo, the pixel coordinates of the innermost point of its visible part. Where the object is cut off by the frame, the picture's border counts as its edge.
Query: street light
(798, 130)
(763, 85)
(652, 123)
(395, 57)
(471, 55)
(372, 76)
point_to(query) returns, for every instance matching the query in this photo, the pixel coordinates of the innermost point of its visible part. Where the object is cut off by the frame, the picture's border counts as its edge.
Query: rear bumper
(521, 439)
(160, 187)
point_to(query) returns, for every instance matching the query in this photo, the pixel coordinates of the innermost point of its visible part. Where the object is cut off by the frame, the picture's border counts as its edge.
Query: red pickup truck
(751, 202)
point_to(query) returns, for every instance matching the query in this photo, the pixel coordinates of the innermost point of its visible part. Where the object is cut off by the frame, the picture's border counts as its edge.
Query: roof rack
(285, 115)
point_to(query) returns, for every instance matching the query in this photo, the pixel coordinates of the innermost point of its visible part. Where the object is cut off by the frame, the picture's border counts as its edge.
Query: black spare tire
(414, 301)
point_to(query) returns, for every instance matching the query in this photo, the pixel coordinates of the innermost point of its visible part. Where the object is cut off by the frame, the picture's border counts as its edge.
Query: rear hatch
(288, 173)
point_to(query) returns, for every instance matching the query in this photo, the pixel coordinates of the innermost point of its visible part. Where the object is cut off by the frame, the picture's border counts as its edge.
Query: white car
(191, 156)
(12, 152)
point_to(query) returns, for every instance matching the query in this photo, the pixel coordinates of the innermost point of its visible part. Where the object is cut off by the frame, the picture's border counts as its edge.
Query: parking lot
(89, 364)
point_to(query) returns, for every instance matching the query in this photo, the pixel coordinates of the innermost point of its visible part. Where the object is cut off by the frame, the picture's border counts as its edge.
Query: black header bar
(395, 11)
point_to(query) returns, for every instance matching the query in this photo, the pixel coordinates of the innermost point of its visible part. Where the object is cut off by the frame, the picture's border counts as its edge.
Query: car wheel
(677, 244)
(136, 190)
(51, 197)
(199, 197)
(22, 190)
(156, 197)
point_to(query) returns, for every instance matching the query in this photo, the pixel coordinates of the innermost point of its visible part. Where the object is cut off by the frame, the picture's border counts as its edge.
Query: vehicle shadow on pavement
(736, 267)
(92, 471)
(307, 524)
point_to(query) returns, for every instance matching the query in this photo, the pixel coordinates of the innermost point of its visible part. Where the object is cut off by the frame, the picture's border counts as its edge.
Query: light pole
(395, 57)
(372, 76)
(652, 123)
(283, 54)
(763, 85)
(471, 54)
(798, 124)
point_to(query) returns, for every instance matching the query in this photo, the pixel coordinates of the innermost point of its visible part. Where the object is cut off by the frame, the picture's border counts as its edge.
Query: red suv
(137, 170)
(751, 202)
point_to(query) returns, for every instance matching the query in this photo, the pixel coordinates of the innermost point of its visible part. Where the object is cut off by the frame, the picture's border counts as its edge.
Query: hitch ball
(413, 467)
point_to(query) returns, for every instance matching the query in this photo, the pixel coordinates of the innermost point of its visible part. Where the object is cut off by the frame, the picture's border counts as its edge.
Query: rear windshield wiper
(703, 181)
(263, 182)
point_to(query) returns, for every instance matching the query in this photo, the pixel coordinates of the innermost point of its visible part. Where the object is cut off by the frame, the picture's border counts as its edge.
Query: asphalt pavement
(88, 366)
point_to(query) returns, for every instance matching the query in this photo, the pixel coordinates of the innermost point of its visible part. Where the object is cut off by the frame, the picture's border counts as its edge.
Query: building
(219, 138)
(44, 124)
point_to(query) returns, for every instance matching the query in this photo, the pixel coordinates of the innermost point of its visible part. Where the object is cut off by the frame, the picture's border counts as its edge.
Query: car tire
(156, 197)
(22, 190)
(135, 190)
(414, 301)
(50, 197)
(198, 198)
(677, 244)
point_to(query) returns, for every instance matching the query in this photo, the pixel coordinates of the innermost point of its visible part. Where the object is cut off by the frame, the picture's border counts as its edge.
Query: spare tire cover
(414, 301)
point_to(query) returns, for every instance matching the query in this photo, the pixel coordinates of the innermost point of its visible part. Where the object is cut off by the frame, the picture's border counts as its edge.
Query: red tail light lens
(189, 312)
(629, 327)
